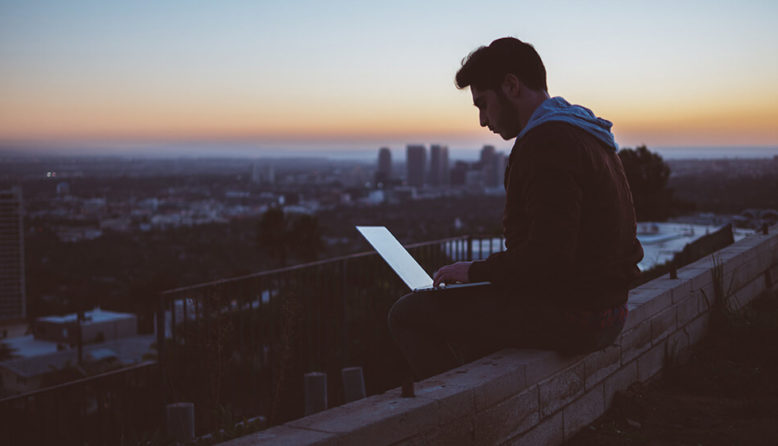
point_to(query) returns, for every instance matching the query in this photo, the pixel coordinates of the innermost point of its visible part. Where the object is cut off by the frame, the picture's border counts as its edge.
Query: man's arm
(549, 181)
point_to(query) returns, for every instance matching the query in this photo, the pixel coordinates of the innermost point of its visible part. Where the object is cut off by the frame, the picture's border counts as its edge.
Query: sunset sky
(361, 74)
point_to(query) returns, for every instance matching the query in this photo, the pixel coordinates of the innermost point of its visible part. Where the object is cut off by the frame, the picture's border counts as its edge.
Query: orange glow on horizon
(76, 72)
(748, 121)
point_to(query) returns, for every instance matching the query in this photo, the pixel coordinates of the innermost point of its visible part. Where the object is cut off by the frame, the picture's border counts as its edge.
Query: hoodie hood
(558, 109)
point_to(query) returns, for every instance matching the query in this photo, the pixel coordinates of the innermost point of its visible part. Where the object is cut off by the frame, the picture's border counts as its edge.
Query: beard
(508, 118)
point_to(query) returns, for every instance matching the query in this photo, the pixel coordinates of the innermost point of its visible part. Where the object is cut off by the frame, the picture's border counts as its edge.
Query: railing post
(469, 248)
(180, 422)
(315, 392)
(353, 384)
(184, 316)
(173, 319)
(160, 328)
(407, 389)
(344, 325)
(79, 336)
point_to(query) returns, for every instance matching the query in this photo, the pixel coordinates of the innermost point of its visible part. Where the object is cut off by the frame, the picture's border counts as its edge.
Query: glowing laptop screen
(396, 256)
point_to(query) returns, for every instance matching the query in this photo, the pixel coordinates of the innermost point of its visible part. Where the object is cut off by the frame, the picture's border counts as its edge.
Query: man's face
(496, 112)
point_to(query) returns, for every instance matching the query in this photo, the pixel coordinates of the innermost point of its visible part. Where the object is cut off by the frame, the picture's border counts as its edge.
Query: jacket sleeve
(548, 183)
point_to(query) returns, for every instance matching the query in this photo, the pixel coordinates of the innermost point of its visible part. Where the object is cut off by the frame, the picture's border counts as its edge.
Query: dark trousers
(426, 325)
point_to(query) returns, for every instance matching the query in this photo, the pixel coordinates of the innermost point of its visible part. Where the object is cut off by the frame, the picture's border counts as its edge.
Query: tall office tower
(494, 170)
(489, 167)
(502, 164)
(416, 163)
(270, 174)
(256, 173)
(459, 173)
(263, 173)
(487, 153)
(384, 171)
(438, 165)
(12, 295)
(444, 170)
(434, 175)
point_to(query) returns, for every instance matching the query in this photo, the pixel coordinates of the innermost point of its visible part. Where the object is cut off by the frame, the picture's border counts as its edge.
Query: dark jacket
(569, 223)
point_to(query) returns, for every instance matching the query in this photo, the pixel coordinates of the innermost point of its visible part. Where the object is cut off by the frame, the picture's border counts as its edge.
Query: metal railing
(693, 251)
(238, 348)
(108, 408)
(242, 345)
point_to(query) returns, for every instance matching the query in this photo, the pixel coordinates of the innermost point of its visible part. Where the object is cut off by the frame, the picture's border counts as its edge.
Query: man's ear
(511, 85)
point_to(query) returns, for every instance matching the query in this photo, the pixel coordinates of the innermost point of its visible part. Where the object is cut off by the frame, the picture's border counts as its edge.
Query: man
(569, 225)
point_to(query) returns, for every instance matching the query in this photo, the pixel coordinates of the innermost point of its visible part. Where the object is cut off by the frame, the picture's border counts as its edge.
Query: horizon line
(676, 152)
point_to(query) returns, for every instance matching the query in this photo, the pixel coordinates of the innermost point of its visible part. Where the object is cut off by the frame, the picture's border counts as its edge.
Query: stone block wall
(535, 397)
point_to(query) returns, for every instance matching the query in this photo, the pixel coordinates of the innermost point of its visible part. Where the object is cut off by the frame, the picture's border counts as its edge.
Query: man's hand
(456, 272)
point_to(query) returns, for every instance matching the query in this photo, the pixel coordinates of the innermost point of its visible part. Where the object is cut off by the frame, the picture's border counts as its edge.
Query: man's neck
(533, 102)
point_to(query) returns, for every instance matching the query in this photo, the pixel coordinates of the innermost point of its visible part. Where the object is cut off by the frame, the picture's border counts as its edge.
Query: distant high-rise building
(494, 171)
(438, 165)
(487, 153)
(416, 163)
(13, 302)
(384, 172)
(434, 175)
(263, 174)
(459, 173)
(502, 164)
(475, 179)
(489, 167)
(445, 172)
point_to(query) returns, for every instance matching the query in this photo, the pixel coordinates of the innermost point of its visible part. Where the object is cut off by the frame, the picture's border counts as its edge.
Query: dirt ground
(724, 393)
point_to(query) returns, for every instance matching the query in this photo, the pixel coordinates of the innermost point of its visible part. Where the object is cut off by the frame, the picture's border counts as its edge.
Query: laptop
(401, 261)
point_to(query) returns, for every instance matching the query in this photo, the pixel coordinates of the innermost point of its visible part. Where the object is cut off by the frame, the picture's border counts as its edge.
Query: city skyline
(13, 298)
(173, 77)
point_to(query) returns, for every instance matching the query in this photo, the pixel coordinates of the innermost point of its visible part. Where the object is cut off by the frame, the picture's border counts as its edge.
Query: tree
(647, 174)
(305, 237)
(272, 235)
(279, 235)
(145, 295)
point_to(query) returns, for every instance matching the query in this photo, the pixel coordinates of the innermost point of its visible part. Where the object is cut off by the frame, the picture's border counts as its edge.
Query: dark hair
(486, 67)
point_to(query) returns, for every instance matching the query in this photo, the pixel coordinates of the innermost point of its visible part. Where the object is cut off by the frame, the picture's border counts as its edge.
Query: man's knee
(402, 312)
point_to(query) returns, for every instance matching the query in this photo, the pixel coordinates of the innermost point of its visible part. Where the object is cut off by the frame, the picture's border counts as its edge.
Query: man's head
(508, 81)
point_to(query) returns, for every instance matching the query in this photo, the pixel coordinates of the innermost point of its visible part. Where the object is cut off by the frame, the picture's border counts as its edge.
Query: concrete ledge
(531, 397)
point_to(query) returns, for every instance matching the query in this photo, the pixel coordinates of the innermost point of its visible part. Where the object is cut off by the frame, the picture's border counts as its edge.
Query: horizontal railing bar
(302, 266)
(326, 336)
(76, 382)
